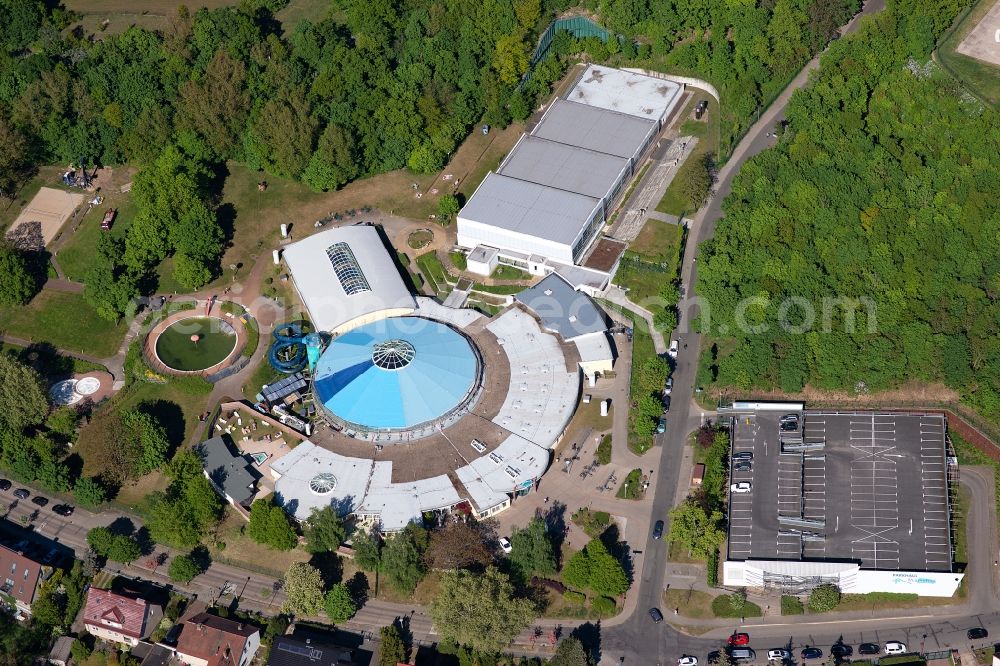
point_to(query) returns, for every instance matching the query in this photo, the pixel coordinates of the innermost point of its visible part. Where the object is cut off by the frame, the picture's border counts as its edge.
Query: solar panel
(303, 650)
(283, 387)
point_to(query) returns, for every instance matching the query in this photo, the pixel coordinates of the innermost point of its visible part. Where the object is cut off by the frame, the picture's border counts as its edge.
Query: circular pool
(396, 374)
(195, 343)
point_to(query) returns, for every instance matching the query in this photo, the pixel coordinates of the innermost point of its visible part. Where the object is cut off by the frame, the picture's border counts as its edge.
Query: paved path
(651, 189)
(619, 298)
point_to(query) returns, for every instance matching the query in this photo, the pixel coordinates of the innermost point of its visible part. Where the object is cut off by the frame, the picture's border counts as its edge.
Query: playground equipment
(288, 352)
(74, 177)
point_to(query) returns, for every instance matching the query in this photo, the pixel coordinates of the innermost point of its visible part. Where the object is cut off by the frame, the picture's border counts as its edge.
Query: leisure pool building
(543, 209)
(425, 408)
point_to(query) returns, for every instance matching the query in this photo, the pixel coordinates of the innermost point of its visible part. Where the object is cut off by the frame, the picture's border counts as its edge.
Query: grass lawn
(707, 131)
(659, 242)
(240, 550)
(55, 366)
(889, 600)
(677, 553)
(982, 77)
(588, 415)
(76, 256)
(419, 238)
(722, 606)
(65, 321)
(696, 604)
(503, 272)
(653, 260)
(631, 487)
(592, 522)
(434, 272)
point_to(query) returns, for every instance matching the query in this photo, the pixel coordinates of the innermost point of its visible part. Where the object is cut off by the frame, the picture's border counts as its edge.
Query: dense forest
(882, 190)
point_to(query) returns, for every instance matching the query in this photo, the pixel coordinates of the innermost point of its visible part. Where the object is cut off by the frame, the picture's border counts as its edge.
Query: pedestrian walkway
(654, 185)
(617, 296)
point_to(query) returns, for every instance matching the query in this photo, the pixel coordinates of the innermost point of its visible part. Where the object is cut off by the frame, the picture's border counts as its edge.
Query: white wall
(472, 233)
(926, 584)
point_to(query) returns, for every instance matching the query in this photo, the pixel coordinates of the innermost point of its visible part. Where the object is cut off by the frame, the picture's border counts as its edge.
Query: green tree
(269, 525)
(403, 558)
(282, 134)
(367, 547)
(303, 589)
(696, 180)
(339, 604)
(184, 568)
(392, 649)
(607, 576)
(334, 162)
(824, 598)
(570, 652)
(89, 492)
(447, 208)
(124, 549)
(216, 108)
(17, 282)
(480, 611)
(323, 530)
(462, 545)
(23, 399)
(532, 550)
(695, 529)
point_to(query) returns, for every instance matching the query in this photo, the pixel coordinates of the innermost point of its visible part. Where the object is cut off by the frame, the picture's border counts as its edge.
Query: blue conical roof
(396, 373)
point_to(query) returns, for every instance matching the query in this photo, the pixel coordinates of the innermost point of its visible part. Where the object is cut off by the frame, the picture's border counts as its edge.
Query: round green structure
(195, 343)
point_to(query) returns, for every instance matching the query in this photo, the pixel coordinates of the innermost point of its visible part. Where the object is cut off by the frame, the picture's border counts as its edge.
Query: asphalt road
(638, 640)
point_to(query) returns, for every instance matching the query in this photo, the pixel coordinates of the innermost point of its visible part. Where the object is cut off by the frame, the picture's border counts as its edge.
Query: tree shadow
(330, 567)
(122, 526)
(619, 549)
(145, 541)
(47, 360)
(554, 518)
(359, 588)
(589, 635)
(170, 416)
(226, 216)
(201, 557)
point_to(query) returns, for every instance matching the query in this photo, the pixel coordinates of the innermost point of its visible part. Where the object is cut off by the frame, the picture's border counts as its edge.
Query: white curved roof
(345, 273)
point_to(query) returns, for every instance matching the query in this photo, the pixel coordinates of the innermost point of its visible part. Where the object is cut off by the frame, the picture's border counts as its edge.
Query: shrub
(604, 606)
(824, 598)
(712, 569)
(459, 261)
(603, 454)
(553, 585)
(791, 605)
(575, 598)
(725, 605)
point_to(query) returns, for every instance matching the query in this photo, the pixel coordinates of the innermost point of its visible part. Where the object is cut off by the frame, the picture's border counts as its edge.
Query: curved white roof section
(346, 277)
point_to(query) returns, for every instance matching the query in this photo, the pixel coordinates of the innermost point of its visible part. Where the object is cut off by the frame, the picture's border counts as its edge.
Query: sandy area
(42, 218)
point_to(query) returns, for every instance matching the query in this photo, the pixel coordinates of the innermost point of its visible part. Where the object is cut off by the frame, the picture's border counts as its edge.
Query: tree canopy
(269, 525)
(856, 255)
(323, 530)
(23, 399)
(532, 550)
(303, 589)
(596, 568)
(480, 611)
(17, 281)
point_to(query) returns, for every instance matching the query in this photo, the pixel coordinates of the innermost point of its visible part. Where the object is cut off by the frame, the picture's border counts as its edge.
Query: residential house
(118, 618)
(208, 640)
(231, 473)
(287, 651)
(19, 578)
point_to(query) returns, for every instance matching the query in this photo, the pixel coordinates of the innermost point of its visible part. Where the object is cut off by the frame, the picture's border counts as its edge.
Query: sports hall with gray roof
(564, 167)
(596, 129)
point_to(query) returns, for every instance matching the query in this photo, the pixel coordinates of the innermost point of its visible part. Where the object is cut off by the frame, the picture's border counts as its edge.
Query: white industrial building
(346, 278)
(547, 202)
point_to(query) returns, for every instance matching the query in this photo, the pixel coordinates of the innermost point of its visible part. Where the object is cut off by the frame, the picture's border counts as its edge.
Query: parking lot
(843, 486)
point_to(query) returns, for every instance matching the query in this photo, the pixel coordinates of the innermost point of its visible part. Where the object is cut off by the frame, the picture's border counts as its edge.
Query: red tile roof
(18, 575)
(115, 612)
(215, 639)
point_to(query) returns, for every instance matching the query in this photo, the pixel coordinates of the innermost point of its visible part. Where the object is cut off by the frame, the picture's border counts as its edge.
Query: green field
(76, 255)
(981, 77)
(178, 349)
(653, 259)
(65, 321)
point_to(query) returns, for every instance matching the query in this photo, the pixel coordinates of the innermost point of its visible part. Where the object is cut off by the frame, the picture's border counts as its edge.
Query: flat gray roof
(562, 309)
(529, 208)
(876, 492)
(563, 166)
(593, 128)
(629, 92)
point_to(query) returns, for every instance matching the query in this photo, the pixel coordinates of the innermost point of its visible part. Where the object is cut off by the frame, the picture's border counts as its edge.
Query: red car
(739, 639)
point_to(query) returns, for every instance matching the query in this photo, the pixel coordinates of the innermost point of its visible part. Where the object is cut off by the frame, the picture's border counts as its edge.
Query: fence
(580, 27)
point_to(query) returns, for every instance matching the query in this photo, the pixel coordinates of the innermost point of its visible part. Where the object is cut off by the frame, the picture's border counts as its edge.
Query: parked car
(869, 648)
(977, 633)
(778, 654)
(789, 423)
(63, 509)
(741, 487)
(743, 455)
(661, 426)
(4, 484)
(505, 545)
(743, 466)
(739, 638)
(674, 347)
(840, 650)
(895, 647)
(39, 500)
(668, 386)
(811, 653)
(687, 660)
(742, 654)
(22, 493)
(656, 615)
(658, 530)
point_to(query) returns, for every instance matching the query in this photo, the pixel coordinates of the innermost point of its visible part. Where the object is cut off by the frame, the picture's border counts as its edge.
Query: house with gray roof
(230, 472)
